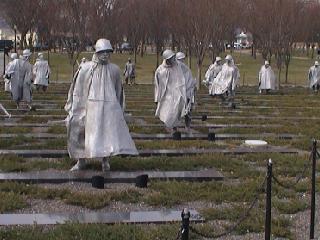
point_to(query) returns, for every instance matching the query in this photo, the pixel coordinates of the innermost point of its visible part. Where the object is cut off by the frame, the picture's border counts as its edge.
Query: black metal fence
(266, 188)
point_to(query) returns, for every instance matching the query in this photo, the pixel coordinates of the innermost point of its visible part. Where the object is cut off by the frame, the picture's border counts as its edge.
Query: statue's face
(267, 65)
(104, 56)
(171, 61)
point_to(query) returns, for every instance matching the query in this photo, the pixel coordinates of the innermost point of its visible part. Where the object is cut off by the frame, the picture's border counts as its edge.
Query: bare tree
(157, 24)
(73, 25)
(134, 22)
(22, 16)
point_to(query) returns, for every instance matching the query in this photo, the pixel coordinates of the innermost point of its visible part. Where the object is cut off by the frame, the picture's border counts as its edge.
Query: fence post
(313, 190)
(185, 215)
(267, 233)
(4, 58)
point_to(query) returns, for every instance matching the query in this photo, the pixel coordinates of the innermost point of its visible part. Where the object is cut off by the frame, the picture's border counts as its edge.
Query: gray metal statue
(19, 73)
(213, 72)
(170, 91)
(95, 123)
(226, 81)
(41, 71)
(314, 77)
(190, 86)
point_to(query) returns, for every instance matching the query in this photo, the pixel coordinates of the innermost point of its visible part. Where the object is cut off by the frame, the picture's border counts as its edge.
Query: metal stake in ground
(313, 190)
(185, 215)
(267, 235)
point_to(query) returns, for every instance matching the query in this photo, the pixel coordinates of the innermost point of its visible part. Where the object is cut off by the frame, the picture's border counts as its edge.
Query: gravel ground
(301, 224)
(300, 221)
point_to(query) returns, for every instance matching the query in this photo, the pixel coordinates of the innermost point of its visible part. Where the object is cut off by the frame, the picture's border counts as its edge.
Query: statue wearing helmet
(226, 81)
(129, 72)
(314, 77)
(95, 124)
(213, 72)
(267, 79)
(190, 86)
(7, 82)
(41, 71)
(170, 91)
(20, 74)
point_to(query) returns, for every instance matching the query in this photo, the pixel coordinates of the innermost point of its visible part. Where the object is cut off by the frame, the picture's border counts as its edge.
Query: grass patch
(57, 130)
(11, 130)
(172, 144)
(87, 200)
(10, 201)
(173, 193)
(14, 163)
(230, 214)
(146, 130)
(92, 231)
(230, 166)
(289, 206)
(16, 142)
(281, 228)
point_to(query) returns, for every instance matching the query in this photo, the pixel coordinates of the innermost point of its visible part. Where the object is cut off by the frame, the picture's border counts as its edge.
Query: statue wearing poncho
(212, 72)
(226, 80)
(170, 93)
(20, 74)
(95, 122)
(314, 76)
(7, 83)
(267, 78)
(41, 71)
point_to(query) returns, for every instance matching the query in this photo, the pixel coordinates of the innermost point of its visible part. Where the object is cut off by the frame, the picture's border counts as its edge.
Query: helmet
(14, 56)
(316, 63)
(180, 55)
(103, 45)
(40, 56)
(218, 59)
(266, 63)
(229, 57)
(26, 53)
(167, 54)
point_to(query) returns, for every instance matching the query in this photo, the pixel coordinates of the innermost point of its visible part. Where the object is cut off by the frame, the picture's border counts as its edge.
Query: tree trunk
(22, 40)
(30, 40)
(264, 54)
(142, 49)
(173, 45)
(189, 57)
(48, 55)
(231, 47)
(279, 77)
(212, 56)
(253, 51)
(199, 65)
(287, 62)
(287, 71)
(158, 52)
(135, 55)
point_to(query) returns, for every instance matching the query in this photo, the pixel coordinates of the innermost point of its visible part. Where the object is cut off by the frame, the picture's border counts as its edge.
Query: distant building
(244, 39)
(6, 32)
